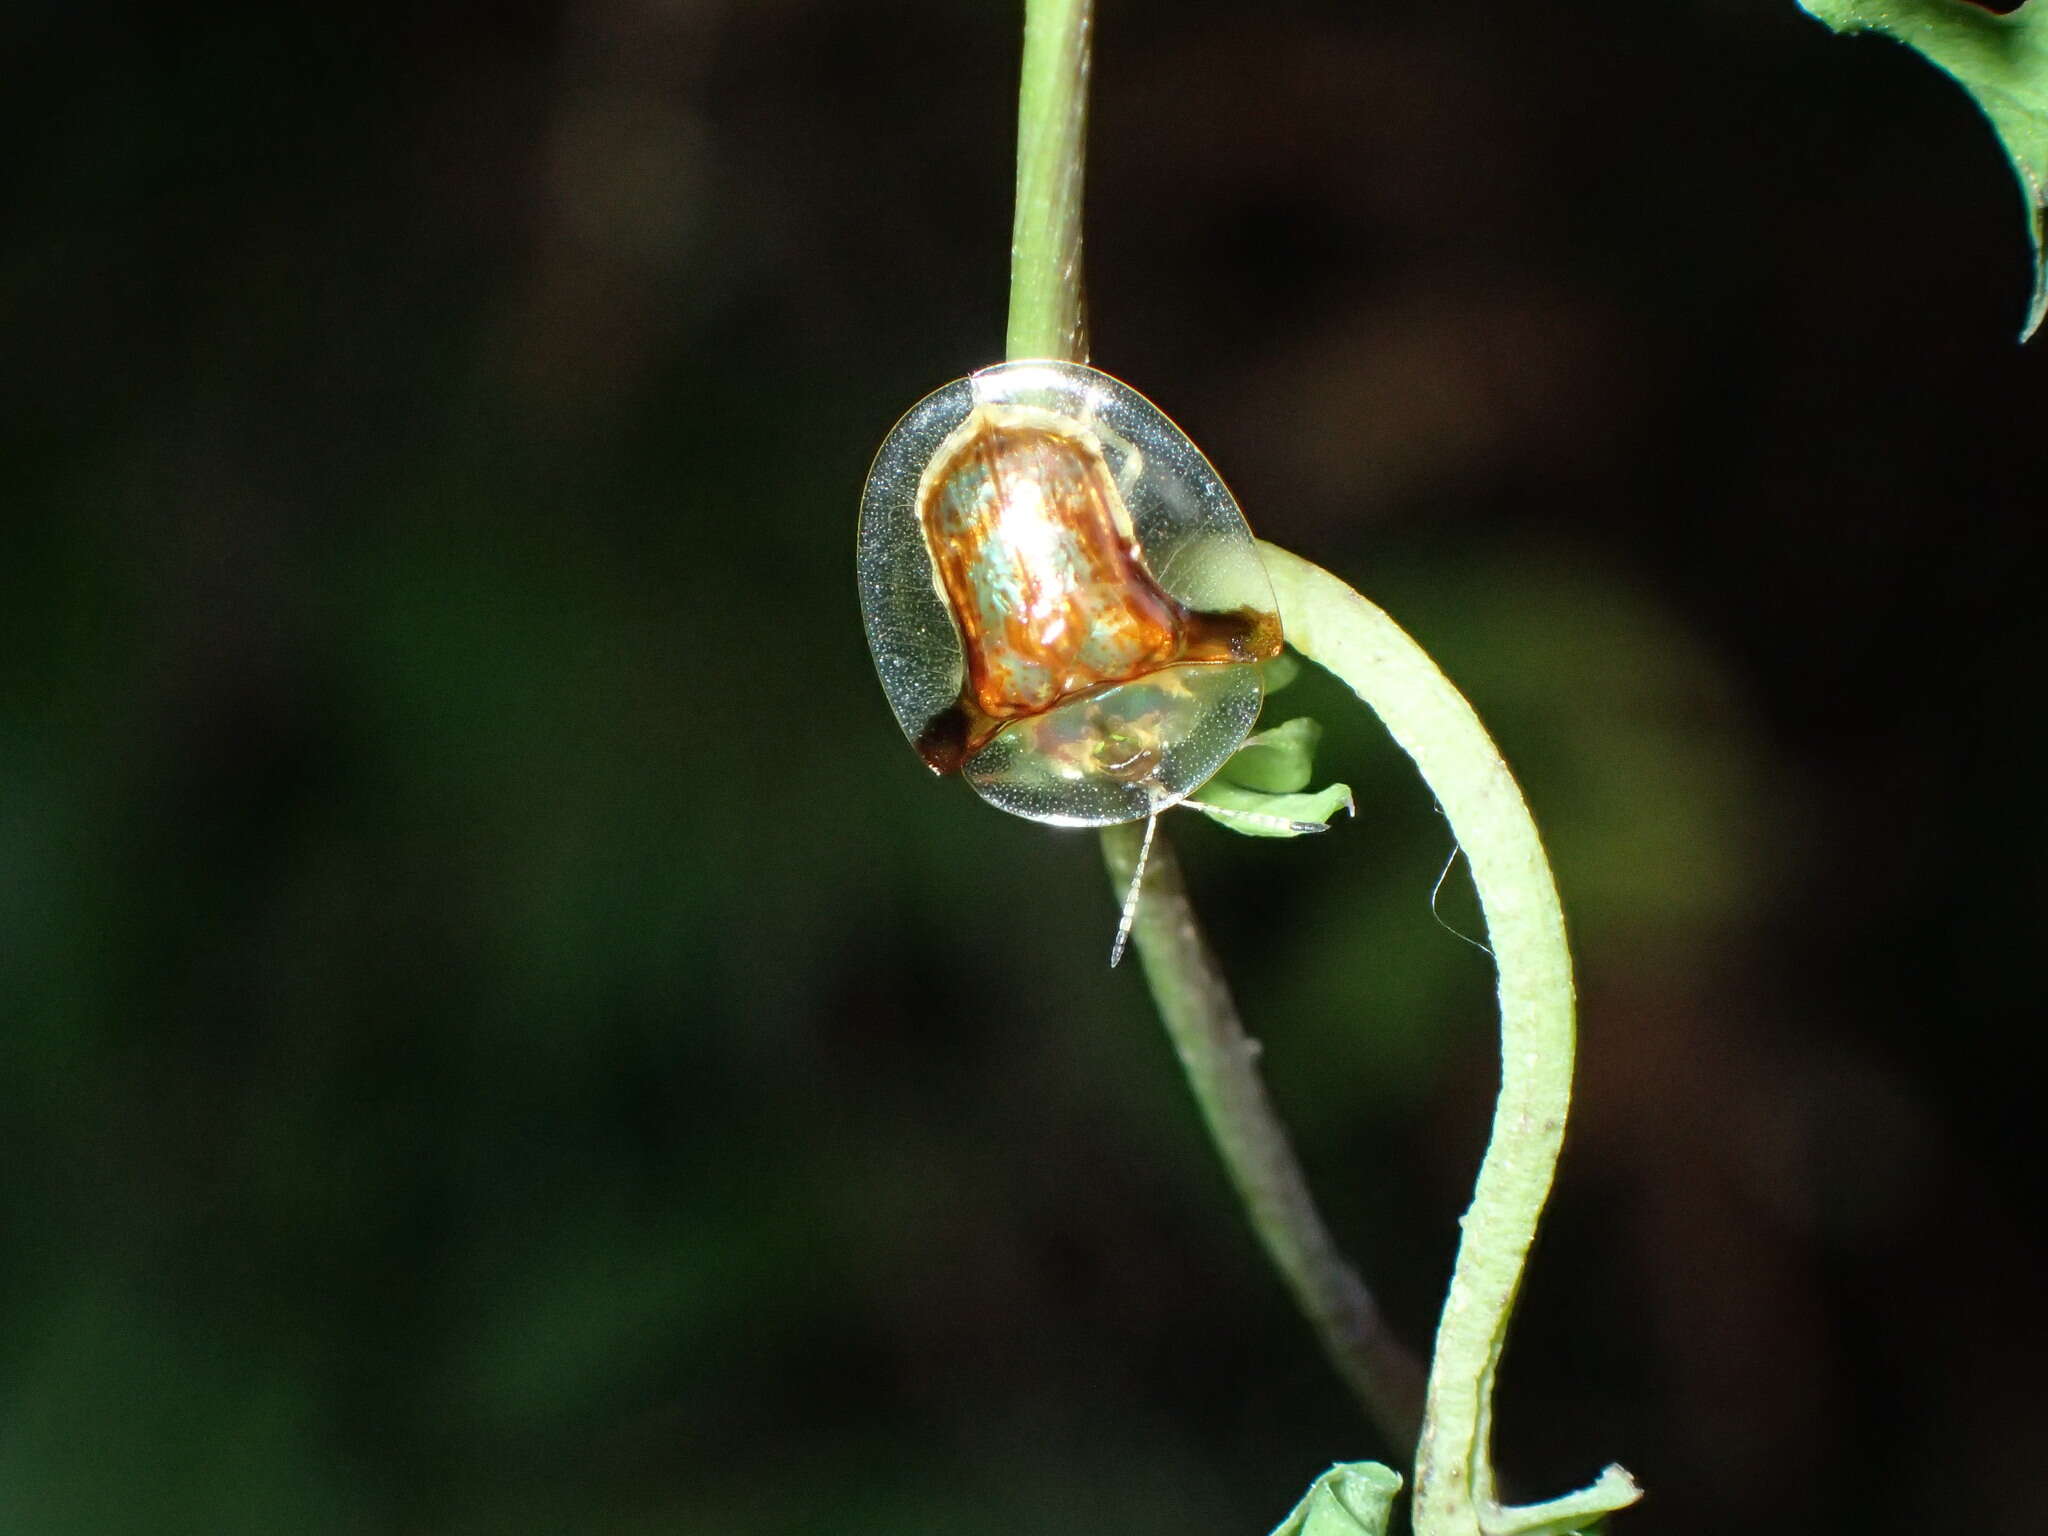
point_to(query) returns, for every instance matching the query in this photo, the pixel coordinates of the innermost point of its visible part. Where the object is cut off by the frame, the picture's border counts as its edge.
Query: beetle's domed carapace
(1063, 600)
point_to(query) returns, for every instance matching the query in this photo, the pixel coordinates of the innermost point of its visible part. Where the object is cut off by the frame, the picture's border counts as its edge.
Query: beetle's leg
(1133, 466)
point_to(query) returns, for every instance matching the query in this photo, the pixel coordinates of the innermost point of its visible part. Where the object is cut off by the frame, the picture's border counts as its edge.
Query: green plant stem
(1455, 1492)
(1047, 321)
(1052, 124)
(1326, 621)
(1221, 1062)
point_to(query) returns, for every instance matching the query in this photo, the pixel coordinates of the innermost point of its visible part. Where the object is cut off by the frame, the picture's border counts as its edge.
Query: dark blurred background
(501, 1034)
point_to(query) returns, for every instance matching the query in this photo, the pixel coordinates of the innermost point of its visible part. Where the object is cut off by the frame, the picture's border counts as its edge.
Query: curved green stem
(1454, 1483)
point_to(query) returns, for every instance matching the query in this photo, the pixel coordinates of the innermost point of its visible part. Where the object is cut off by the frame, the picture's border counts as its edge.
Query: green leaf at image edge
(1351, 1499)
(2002, 61)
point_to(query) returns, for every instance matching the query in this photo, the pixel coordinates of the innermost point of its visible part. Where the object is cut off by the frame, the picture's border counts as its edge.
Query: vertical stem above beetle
(1047, 320)
(1046, 317)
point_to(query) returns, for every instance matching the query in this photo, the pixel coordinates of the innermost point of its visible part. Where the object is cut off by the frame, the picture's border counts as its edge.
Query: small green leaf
(1259, 792)
(1351, 1499)
(1279, 761)
(1279, 672)
(1279, 815)
(2002, 61)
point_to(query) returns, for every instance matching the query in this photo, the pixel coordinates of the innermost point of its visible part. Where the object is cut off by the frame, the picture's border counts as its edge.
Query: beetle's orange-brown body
(1038, 562)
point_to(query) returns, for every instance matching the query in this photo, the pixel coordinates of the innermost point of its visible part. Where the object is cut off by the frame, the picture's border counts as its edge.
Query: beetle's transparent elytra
(1064, 602)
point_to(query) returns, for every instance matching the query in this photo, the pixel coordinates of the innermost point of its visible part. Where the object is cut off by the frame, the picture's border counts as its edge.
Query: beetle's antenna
(1260, 818)
(1130, 912)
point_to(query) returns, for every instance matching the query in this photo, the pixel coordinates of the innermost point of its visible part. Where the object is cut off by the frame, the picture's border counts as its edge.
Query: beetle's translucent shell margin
(1063, 600)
